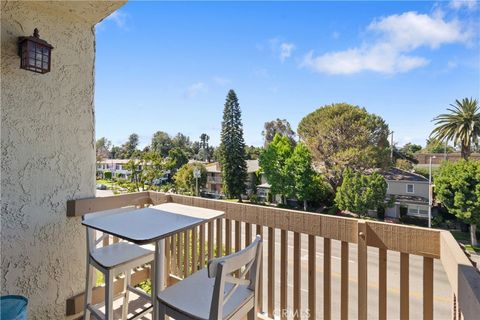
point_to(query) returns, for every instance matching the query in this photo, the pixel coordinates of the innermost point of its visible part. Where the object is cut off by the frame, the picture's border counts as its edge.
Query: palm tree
(461, 125)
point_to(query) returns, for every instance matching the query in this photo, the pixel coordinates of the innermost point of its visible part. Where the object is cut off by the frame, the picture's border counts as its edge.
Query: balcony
(319, 266)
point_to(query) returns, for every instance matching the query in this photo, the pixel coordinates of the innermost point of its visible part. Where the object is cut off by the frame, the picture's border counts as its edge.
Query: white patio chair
(215, 293)
(111, 261)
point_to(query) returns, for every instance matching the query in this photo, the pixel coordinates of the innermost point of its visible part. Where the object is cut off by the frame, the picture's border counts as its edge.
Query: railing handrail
(429, 243)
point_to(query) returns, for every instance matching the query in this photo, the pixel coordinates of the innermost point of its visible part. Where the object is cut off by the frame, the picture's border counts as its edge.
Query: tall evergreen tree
(232, 149)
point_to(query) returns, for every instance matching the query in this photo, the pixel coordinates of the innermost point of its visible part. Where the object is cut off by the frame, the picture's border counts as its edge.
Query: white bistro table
(153, 225)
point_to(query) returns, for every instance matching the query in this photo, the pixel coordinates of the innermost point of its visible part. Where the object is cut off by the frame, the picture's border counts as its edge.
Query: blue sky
(168, 65)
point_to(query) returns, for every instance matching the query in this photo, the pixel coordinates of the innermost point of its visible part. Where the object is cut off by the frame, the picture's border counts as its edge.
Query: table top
(151, 224)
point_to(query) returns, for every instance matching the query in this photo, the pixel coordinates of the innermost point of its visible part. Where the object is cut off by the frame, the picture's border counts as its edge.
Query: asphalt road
(442, 290)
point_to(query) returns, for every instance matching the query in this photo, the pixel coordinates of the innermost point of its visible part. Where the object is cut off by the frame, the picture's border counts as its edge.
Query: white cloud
(467, 4)
(221, 81)
(195, 89)
(280, 48)
(286, 50)
(395, 38)
(117, 17)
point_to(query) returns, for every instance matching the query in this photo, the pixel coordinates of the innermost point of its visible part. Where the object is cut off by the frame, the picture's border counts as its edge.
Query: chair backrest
(245, 264)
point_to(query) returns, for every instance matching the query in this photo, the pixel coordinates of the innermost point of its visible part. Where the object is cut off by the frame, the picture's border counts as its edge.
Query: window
(418, 210)
(410, 188)
(413, 210)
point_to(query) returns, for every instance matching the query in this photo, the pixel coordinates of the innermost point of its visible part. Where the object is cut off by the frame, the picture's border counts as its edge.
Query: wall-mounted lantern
(35, 53)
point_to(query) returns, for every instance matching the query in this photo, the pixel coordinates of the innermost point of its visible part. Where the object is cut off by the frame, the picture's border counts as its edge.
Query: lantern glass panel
(35, 53)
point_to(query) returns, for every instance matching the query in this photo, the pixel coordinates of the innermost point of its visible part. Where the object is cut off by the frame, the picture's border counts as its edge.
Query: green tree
(461, 125)
(182, 142)
(410, 149)
(204, 140)
(308, 185)
(253, 153)
(278, 126)
(359, 193)
(161, 143)
(102, 147)
(273, 161)
(437, 146)
(344, 136)
(116, 152)
(404, 164)
(185, 181)
(232, 149)
(134, 166)
(153, 167)
(205, 152)
(129, 147)
(457, 187)
(176, 159)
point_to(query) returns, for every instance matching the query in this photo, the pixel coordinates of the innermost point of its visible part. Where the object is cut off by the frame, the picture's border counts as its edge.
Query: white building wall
(48, 156)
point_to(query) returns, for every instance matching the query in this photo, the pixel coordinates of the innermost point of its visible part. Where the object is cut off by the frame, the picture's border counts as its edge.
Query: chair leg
(109, 296)
(126, 294)
(252, 314)
(88, 290)
(152, 283)
(162, 311)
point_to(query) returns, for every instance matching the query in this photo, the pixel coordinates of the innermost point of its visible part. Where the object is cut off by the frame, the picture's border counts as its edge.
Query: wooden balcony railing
(290, 298)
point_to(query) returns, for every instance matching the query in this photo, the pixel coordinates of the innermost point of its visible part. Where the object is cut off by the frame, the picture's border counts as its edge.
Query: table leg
(159, 277)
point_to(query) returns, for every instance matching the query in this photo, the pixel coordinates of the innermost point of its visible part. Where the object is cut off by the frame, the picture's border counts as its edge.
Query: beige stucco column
(48, 156)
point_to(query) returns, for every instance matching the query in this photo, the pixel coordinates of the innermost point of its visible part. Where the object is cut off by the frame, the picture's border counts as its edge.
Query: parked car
(101, 187)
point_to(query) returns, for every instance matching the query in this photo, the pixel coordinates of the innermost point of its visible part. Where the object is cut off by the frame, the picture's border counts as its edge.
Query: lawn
(108, 183)
(464, 238)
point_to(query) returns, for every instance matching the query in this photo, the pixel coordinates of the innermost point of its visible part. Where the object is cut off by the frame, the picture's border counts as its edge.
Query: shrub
(403, 211)
(107, 175)
(414, 220)
(381, 213)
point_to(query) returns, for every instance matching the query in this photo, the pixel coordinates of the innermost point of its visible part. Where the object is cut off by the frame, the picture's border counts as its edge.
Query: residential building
(115, 166)
(410, 191)
(214, 184)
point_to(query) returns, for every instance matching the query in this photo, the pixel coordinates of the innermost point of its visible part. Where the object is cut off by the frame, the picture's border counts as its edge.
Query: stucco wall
(48, 156)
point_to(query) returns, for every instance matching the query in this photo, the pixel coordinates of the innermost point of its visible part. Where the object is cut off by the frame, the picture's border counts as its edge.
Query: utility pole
(391, 146)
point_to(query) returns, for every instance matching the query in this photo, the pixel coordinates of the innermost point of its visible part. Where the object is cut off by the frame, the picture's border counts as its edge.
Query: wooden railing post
(283, 273)
(202, 246)
(327, 284)
(427, 288)
(228, 236)
(219, 238)
(344, 282)
(404, 286)
(210, 240)
(362, 270)
(271, 271)
(259, 231)
(312, 277)
(382, 283)
(297, 275)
